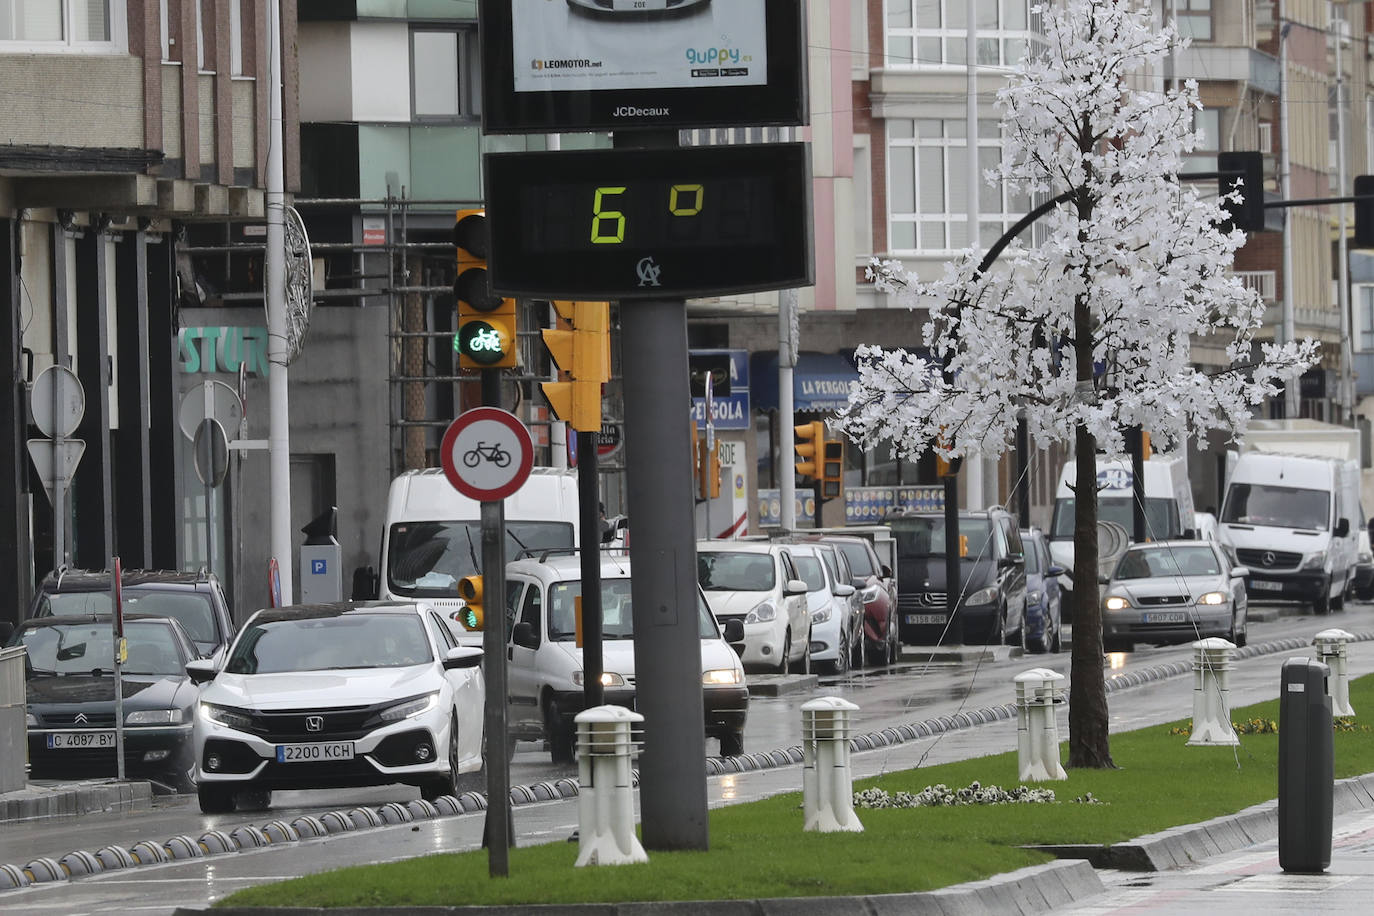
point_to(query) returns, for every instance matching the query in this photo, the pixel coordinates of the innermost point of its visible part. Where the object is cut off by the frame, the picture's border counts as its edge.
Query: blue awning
(820, 382)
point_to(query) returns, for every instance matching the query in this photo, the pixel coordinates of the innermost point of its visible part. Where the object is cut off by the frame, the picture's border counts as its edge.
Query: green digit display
(598, 215)
(674, 204)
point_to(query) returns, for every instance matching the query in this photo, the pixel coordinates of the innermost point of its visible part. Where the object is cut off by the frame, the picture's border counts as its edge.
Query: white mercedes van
(433, 534)
(1291, 520)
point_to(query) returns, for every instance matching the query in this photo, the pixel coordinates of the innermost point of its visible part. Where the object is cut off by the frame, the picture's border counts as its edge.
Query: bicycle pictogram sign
(486, 454)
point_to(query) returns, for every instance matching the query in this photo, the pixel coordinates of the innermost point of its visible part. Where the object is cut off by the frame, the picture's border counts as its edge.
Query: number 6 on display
(598, 238)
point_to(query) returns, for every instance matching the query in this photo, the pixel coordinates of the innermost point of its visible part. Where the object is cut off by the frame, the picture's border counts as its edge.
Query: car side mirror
(1056, 570)
(887, 570)
(1008, 562)
(1190, 534)
(794, 587)
(201, 670)
(844, 591)
(734, 630)
(6, 631)
(1342, 528)
(1240, 572)
(1104, 580)
(462, 657)
(523, 635)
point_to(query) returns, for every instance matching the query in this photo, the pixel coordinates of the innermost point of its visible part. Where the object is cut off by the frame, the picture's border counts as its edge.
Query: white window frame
(954, 216)
(956, 37)
(118, 42)
(468, 89)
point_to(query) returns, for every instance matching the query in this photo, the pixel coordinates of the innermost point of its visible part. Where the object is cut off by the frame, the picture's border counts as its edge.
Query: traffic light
(708, 465)
(1247, 213)
(832, 469)
(810, 447)
(1364, 211)
(584, 353)
(486, 335)
(470, 590)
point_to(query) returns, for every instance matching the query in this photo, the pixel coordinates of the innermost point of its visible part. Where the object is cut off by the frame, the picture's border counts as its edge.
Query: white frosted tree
(1090, 332)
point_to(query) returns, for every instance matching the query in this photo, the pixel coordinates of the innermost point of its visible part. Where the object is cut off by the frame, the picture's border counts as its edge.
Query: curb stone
(1035, 889)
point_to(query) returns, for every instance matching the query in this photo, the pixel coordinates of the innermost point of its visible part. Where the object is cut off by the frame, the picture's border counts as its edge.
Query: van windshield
(426, 559)
(1161, 516)
(617, 619)
(1277, 507)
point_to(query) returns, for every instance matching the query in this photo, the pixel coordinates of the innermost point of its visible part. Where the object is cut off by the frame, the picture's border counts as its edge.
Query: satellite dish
(1112, 541)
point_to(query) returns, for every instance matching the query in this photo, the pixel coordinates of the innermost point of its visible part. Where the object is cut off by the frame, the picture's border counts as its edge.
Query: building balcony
(1209, 63)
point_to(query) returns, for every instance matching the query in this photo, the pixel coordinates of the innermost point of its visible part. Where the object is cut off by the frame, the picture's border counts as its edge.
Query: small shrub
(1271, 727)
(941, 795)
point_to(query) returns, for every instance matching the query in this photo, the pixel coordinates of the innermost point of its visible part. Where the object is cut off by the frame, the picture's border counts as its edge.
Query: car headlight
(1366, 557)
(822, 615)
(1035, 598)
(227, 715)
(153, 717)
(409, 708)
(764, 612)
(1116, 603)
(983, 596)
(1212, 598)
(1315, 560)
(30, 720)
(608, 679)
(870, 594)
(721, 677)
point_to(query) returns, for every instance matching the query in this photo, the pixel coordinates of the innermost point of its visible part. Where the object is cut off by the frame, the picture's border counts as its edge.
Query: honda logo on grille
(314, 723)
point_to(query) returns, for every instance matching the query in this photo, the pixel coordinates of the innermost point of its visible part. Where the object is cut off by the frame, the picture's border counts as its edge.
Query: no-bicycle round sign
(487, 454)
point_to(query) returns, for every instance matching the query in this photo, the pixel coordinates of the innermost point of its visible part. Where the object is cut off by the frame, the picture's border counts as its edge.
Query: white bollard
(1037, 732)
(1211, 686)
(827, 784)
(605, 800)
(1332, 651)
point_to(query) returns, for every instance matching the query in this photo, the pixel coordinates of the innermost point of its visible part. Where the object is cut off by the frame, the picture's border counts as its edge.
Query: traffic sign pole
(593, 660)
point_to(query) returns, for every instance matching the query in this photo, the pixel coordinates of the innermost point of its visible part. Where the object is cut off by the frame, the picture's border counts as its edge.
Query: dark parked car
(71, 698)
(992, 577)
(1044, 613)
(878, 588)
(194, 600)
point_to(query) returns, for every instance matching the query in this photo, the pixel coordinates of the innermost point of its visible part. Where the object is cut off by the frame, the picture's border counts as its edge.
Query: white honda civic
(334, 696)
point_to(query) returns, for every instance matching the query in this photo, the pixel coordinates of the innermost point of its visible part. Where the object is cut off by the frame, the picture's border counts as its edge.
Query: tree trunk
(1088, 741)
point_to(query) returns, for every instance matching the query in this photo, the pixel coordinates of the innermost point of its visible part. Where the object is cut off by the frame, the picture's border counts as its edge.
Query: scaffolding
(408, 266)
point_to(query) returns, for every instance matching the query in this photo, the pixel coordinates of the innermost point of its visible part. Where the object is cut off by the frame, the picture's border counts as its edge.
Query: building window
(1207, 122)
(934, 33)
(1195, 19)
(928, 185)
(63, 25)
(444, 83)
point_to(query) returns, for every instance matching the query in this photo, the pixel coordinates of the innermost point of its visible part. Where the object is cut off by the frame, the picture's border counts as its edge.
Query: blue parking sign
(317, 567)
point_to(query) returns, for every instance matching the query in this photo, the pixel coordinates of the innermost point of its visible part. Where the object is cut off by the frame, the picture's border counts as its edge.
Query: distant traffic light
(584, 353)
(832, 469)
(1248, 168)
(810, 446)
(708, 465)
(470, 590)
(486, 336)
(1364, 211)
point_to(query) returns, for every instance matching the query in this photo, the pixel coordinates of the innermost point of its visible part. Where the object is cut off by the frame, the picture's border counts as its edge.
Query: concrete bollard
(1211, 686)
(605, 804)
(827, 783)
(1037, 732)
(1331, 651)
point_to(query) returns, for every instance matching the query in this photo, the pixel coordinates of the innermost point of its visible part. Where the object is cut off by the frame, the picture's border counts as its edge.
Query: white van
(433, 534)
(545, 672)
(1168, 505)
(1292, 520)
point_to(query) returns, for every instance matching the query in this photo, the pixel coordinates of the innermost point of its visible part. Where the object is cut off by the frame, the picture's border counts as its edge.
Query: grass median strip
(759, 850)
